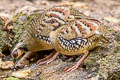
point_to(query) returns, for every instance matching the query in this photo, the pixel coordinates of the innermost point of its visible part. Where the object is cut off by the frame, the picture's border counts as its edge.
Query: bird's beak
(55, 24)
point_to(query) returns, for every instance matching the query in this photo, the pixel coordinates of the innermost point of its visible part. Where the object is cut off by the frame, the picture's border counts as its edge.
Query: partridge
(76, 37)
(37, 38)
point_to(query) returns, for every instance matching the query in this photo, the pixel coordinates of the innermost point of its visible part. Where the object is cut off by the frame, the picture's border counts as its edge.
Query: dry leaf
(6, 64)
(22, 73)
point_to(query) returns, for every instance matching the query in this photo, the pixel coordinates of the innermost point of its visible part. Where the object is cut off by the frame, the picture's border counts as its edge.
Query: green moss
(20, 22)
(20, 26)
(4, 40)
(12, 78)
(110, 66)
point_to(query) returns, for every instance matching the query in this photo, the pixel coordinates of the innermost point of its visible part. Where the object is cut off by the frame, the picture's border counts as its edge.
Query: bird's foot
(48, 59)
(74, 67)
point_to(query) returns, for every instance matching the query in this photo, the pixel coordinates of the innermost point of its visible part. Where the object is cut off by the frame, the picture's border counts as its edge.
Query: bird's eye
(53, 21)
(71, 17)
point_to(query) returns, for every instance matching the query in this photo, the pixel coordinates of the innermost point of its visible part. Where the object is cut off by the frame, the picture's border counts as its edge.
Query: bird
(36, 38)
(76, 37)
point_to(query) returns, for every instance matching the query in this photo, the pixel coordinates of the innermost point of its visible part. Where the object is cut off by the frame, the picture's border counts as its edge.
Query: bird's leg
(74, 67)
(48, 59)
(24, 60)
